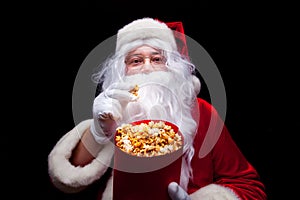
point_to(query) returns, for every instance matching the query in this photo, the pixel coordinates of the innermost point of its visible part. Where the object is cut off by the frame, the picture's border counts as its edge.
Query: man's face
(144, 59)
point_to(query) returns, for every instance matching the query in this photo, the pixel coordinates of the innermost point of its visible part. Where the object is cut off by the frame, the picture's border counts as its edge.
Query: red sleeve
(231, 168)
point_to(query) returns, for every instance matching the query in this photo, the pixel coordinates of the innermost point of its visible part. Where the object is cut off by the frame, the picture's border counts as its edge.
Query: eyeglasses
(139, 60)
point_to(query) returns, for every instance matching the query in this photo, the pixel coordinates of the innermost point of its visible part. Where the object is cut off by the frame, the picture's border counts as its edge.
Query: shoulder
(203, 102)
(205, 106)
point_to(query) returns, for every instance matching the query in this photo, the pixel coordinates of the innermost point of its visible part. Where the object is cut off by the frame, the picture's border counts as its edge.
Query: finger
(102, 103)
(110, 109)
(121, 95)
(117, 89)
(122, 86)
(177, 193)
(109, 115)
(108, 126)
(116, 111)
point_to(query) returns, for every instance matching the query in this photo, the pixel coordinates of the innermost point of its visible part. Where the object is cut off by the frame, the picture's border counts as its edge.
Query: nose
(147, 66)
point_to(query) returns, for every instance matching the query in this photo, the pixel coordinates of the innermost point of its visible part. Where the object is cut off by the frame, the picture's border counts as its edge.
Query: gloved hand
(177, 193)
(107, 110)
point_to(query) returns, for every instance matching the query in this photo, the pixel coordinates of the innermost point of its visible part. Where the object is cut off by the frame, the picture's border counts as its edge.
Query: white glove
(177, 193)
(107, 110)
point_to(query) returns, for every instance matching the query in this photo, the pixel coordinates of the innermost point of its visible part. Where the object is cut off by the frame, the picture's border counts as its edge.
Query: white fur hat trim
(145, 28)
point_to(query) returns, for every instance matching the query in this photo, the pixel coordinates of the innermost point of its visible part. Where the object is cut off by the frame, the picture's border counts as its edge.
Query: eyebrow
(138, 54)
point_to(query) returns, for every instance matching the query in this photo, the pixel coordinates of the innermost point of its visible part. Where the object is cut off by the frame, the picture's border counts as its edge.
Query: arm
(86, 150)
(233, 177)
(231, 170)
(64, 174)
(82, 156)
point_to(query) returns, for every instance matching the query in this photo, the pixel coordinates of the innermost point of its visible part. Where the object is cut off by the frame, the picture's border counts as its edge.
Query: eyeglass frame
(142, 60)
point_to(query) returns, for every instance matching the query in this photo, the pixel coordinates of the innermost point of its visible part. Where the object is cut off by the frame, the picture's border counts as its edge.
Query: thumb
(176, 192)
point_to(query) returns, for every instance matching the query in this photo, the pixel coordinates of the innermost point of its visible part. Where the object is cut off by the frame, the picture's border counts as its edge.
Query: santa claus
(147, 56)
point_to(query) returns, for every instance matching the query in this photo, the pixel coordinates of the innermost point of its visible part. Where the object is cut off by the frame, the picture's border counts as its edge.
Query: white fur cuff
(214, 192)
(66, 176)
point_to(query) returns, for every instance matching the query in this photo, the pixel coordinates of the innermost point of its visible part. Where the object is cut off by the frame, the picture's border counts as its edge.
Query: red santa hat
(145, 29)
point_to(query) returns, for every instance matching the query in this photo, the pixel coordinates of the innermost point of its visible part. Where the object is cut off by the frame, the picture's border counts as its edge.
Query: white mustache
(154, 102)
(158, 99)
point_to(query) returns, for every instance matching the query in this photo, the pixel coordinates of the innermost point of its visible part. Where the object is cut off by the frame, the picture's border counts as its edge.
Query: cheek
(130, 71)
(160, 68)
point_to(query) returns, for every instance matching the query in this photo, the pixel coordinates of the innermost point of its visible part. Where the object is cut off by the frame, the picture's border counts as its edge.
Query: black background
(47, 43)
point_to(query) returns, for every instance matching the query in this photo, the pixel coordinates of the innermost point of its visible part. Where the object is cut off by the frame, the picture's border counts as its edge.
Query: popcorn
(135, 90)
(148, 139)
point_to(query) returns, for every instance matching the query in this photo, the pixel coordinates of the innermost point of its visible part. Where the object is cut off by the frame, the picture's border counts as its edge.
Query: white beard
(164, 95)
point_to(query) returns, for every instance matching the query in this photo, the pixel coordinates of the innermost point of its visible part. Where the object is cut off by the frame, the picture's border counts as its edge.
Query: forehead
(145, 49)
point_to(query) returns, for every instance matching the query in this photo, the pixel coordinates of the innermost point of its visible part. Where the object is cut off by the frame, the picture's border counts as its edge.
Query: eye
(134, 61)
(158, 59)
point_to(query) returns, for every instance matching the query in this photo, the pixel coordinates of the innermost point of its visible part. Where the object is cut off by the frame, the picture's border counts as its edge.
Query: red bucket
(137, 177)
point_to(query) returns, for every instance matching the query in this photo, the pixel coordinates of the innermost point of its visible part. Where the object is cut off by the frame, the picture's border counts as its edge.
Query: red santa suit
(219, 172)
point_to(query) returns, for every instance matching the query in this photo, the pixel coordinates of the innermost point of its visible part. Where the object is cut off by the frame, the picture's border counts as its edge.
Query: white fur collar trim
(214, 192)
